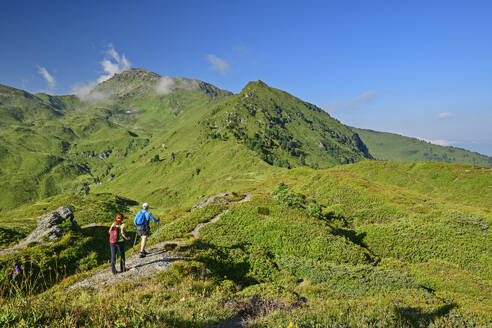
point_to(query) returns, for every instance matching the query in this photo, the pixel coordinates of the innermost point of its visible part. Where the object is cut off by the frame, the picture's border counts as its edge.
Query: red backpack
(114, 234)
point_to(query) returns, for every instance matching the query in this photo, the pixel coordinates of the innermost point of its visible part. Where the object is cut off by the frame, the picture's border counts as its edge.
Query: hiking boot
(141, 254)
(145, 252)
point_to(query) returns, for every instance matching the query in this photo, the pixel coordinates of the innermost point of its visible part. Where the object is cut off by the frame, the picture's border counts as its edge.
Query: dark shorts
(144, 232)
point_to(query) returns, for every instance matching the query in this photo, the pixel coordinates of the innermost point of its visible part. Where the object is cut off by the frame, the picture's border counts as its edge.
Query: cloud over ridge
(47, 76)
(439, 142)
(167, 84)
(219, 64)
(114, 63)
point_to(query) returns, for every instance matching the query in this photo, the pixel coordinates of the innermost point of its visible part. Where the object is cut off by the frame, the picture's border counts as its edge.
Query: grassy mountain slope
(283, 130)
(218, 154)
(70, 145)
(383, 250)
(393, 244)
(394, 147)
(61, 144)
(19, 107)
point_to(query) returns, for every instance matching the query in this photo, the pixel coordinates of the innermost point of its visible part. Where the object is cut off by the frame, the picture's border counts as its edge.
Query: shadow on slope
(418, 317)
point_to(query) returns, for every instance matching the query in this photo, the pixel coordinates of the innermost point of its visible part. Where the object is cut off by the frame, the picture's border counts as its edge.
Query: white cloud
(442, 142)
(113, 63)
(367, 96)
(219, 64)
(85, 92)
(337, 105)
(167, 84)
(47, 76)
(439, 142)
(421, 139)
(443, 115)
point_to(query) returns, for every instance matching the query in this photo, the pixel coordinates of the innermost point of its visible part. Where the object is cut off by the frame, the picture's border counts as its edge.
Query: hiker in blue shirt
(142, 222)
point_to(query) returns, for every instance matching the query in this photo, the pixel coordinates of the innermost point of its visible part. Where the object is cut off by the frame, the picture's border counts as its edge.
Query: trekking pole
(134, 241)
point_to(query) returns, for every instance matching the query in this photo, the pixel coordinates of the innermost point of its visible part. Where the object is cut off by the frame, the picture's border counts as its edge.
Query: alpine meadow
(272, 213)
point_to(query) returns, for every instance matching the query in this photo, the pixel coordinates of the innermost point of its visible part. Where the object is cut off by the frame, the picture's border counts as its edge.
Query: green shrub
(284, 195)
(314, 209)
(263, 210)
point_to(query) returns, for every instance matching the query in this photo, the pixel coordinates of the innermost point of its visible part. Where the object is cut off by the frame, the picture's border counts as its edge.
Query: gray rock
(219, 198)
(104, 155)
(48, 227)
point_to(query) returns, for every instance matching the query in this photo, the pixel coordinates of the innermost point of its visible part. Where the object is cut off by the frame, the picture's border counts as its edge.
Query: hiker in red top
(117, 239)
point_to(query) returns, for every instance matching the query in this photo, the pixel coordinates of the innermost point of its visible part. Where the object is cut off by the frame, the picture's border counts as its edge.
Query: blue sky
(417, 68)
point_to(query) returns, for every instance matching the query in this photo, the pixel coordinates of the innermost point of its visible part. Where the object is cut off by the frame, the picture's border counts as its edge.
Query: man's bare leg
(142, 243)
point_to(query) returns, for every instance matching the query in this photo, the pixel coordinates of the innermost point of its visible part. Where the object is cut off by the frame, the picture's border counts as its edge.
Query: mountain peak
(136, 74)
(139, 82)
(253, 85)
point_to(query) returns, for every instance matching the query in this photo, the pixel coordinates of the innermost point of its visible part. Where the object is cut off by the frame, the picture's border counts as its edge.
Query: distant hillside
(20, 106)
(283, 130)
(393, 147)
(176, 136)
(65, 144)
(188, 130)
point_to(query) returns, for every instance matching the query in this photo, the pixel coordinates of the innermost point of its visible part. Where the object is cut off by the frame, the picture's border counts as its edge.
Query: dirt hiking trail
(160, 255)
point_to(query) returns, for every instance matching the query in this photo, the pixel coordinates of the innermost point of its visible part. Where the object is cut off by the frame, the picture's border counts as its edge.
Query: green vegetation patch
(93, 208)
(181, 226)
(39, 267)
(417, 242)
(393, 147)
(249, 247)
(351, 281)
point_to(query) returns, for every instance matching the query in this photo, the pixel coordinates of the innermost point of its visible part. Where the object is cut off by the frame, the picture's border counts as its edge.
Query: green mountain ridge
(393, 147)
(21, 106)
(283, 129)
(55, 144)
(138, 82)
(62, 144)
(73, 145)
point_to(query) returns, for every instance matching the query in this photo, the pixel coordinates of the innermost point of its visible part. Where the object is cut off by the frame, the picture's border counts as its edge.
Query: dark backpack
(114, 234)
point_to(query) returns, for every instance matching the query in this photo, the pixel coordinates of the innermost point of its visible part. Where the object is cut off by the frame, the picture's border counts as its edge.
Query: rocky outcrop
(361, 146)
(48, 228)
(215, 199)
